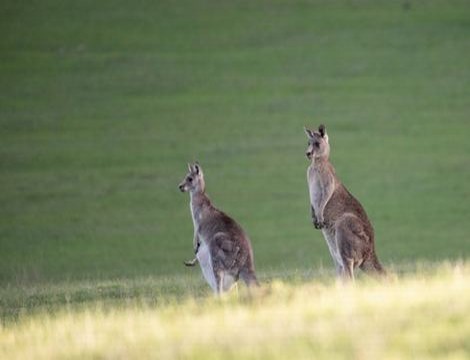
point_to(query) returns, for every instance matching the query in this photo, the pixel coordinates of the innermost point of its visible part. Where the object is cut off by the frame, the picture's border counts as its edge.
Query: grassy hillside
(103, 103)
(419, 316)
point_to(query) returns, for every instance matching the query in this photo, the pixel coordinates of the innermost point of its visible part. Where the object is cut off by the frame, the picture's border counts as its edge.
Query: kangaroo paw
(191, 262)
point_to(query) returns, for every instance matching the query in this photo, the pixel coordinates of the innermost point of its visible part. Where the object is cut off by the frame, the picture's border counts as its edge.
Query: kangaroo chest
(203, 254)
(195, 215)
(316, 187)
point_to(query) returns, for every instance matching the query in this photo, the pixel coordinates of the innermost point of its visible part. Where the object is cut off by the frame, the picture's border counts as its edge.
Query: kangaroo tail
(250, 279)
(373, 266)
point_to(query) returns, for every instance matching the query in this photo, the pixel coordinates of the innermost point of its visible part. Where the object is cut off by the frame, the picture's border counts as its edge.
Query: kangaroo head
(318, 146)
(194, 179)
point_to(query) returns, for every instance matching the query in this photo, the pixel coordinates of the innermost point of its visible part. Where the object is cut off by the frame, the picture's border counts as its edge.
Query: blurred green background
(102, 104)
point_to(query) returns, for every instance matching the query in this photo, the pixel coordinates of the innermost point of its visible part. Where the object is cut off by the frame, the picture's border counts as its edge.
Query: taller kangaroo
(222, 247)
(342, 219)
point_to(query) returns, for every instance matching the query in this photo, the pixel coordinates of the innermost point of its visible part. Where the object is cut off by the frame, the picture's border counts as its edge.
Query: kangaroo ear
(308, 132)
(322, 130)
(190, 167)
(197, 168)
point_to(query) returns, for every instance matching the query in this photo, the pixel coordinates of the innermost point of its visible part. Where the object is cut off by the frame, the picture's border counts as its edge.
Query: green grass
(422, 315)
(103, 103)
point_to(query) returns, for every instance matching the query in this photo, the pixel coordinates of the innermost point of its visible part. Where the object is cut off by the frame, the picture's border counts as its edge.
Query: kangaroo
(222, 248)
(342, 219)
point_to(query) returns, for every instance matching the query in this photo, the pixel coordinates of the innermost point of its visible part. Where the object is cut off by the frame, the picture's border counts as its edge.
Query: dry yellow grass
(419, 316)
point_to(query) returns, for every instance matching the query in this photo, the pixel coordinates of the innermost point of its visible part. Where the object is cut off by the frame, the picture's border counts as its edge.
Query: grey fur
(222, 248)
(342, 219)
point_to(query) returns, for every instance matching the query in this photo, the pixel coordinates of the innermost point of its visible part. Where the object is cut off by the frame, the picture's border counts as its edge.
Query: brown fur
(231, 255)
(342, 219)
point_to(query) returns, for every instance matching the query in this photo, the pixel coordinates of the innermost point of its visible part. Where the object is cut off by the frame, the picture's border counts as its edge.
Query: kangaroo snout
(308, 154)
(181, 187)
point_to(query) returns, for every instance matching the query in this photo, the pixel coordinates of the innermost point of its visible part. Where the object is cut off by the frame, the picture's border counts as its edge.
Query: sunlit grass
(419, 315)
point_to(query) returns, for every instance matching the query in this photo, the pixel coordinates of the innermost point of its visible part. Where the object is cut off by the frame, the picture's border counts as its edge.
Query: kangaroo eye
(190, 179)
(317, 144)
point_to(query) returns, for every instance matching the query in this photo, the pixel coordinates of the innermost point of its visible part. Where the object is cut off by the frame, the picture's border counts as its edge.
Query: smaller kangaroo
(342, 219)
(221, 246)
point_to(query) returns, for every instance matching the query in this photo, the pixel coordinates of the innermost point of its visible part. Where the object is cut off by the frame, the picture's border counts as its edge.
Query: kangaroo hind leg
(349, 244)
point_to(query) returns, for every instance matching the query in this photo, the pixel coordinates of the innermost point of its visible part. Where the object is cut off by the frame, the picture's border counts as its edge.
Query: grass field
(419, 316)
(103, 103)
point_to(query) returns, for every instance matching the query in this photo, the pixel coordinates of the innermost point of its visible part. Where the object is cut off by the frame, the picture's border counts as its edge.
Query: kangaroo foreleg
(196, 249)
(191, 262)
(196, 242)
(314, 218)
